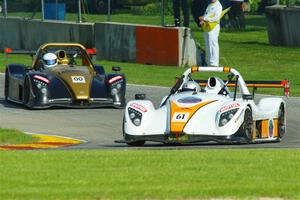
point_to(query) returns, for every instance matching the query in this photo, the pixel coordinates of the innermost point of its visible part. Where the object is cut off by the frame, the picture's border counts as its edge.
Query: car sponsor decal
(78, 79)
(230, 106)
(139, 107)
(180, 116)
(271, 128)
(189, 100)
(115, 79)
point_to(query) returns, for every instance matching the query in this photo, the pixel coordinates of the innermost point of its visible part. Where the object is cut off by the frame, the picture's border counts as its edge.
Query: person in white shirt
(212, 16)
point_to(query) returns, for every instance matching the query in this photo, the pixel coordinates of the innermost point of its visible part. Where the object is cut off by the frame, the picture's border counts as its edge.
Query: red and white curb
(45, 142)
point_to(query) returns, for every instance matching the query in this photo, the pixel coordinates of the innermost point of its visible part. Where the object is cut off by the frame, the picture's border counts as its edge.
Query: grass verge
(13, 136)
(176, 174)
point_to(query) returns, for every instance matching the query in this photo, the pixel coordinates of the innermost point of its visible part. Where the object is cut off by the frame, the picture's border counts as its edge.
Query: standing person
(185, 10)
(211, 19)
(236, 14)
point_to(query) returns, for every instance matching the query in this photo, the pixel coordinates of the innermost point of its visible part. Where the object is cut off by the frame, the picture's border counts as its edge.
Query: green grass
(12, 136)
(177, 174)
(248, 51)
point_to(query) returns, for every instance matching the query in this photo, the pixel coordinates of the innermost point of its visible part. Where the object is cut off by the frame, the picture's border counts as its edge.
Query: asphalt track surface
(102, 126)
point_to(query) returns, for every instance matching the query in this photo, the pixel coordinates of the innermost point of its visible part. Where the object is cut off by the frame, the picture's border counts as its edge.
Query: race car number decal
(180, 117)
(78, 79)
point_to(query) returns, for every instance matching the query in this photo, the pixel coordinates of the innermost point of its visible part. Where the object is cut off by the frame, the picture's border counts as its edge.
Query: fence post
(162, 13)
(79, 12)
(5, 8)
(108, 11)
(43, 11)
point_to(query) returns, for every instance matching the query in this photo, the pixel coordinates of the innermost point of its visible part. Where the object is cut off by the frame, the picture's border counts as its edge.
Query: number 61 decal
(180, 117)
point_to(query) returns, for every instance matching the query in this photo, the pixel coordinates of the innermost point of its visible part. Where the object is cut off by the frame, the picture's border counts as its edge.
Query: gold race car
(63, 74)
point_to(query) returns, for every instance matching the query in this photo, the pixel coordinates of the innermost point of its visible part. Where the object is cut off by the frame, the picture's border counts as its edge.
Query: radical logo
(189, 100)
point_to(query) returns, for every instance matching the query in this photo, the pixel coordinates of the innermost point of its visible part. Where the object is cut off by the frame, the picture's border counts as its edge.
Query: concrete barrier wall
(113, 41)
(145, 44)
(283, 25)
(18, 33)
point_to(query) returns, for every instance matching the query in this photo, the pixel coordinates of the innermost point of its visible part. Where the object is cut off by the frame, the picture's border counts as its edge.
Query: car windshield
(68, 55)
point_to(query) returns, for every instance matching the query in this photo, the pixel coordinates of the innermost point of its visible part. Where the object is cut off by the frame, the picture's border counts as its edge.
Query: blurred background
(108, 10)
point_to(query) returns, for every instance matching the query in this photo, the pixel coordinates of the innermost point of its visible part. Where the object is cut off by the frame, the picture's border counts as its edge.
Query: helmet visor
(50, 62)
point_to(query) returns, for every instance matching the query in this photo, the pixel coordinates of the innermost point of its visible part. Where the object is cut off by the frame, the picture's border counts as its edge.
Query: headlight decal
(135, 116)
(227, 116)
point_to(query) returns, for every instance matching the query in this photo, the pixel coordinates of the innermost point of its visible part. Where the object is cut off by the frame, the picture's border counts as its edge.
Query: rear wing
(91, 52)
(285, 84)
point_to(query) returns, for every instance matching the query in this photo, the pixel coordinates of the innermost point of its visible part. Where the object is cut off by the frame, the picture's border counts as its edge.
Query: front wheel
(247, 126)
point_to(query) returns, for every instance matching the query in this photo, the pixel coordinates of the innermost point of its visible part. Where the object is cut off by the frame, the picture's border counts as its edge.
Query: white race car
(192, 114)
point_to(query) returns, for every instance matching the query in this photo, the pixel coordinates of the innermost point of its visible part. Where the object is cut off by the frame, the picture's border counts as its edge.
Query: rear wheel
(281, 122)
(247, 126)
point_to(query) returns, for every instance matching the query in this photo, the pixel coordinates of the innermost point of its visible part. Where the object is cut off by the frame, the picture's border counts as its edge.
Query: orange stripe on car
(180, 116)
(226, 69)
(194, 69)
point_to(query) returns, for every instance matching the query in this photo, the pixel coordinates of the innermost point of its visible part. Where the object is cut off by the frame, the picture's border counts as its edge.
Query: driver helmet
(49, 60)
(191, 86)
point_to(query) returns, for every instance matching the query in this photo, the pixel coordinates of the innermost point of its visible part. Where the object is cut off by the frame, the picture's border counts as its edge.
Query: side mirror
(140, 96)
(115, 69)
(99, 69)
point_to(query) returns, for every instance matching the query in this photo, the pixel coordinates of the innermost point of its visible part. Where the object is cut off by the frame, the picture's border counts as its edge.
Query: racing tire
(136, 143)
(6, 87)
(247, 126)
(281, 123)
(27, 96)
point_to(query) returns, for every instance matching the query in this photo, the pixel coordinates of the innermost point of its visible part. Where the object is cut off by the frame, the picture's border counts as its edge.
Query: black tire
(6, 87)
(247, 126)
(27, 94)
(281, 122)
(136, 143)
